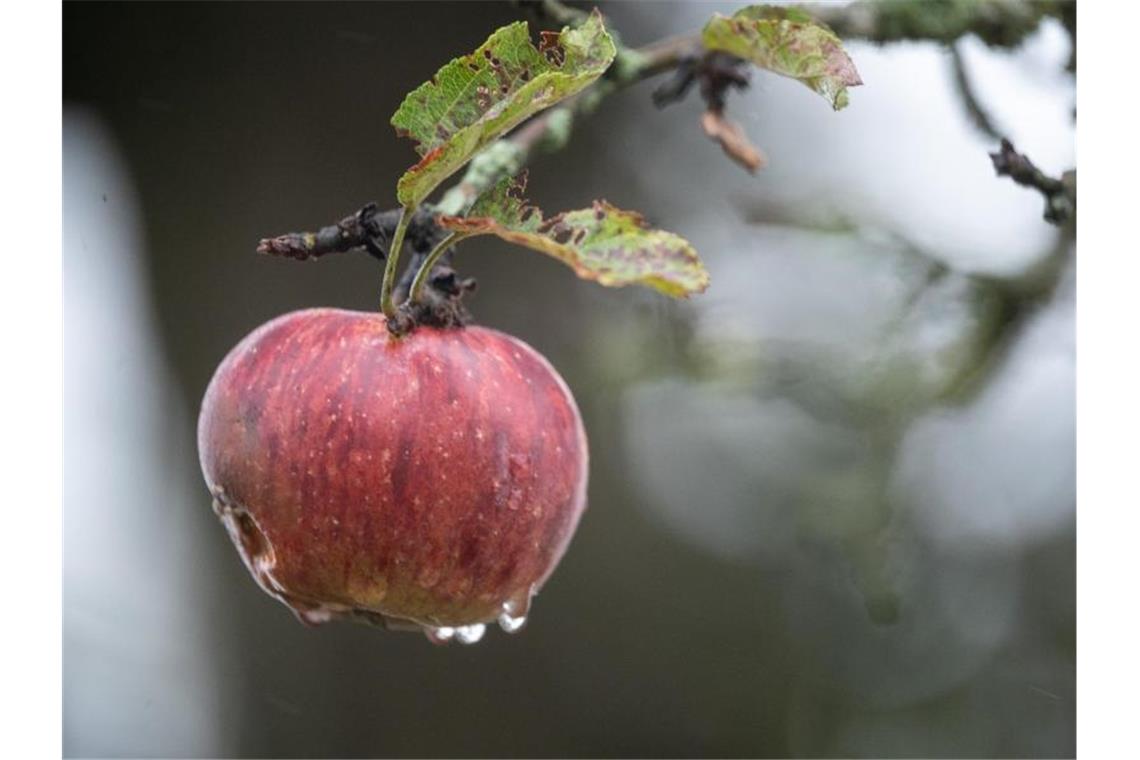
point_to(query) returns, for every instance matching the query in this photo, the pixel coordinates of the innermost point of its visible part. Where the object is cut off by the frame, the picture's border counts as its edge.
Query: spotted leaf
(477, 98)
(601, 243)
(786, 41)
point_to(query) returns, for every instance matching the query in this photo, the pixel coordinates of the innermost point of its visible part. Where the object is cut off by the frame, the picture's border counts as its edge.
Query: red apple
(430, 481)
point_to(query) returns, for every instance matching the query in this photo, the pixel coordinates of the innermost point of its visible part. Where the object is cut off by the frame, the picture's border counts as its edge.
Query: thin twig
(1060, 194)
(368, 228)
(970, 102)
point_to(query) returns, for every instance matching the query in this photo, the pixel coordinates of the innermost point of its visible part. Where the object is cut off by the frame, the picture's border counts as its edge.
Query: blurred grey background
(831, 500)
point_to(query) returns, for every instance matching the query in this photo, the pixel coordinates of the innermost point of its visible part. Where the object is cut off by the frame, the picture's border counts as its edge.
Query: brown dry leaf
(732, 140)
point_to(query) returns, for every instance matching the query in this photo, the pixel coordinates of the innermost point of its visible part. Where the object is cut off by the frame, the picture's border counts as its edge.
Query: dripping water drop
(315, 616)
(513, 616)
(440, 635)
(470, 634)
(511, 624)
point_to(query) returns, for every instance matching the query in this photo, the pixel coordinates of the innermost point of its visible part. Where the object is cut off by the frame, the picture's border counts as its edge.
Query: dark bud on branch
(717, 73)
(447, 281)
(676, 87)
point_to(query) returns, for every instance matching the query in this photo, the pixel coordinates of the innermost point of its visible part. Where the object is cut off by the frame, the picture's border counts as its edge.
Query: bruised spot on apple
(427, 482)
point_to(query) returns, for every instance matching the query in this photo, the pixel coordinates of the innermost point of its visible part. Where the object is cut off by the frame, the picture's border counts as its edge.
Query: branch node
(1060, 194)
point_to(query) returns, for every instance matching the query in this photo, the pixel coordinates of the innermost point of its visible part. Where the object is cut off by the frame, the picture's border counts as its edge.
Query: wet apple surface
(430, 481)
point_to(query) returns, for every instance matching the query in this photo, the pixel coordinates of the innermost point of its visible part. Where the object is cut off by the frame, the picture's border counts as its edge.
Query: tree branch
(1060, 194)
(976, 111)
(1000, 23)
(368, 228)
(549, 131)
(552, 12)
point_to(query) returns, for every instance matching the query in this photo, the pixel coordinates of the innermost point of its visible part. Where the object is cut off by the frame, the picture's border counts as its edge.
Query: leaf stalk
(391, 265)
(415, 293)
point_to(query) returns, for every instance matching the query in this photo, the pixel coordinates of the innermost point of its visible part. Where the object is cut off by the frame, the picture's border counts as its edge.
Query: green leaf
(786, 41)
(601, 243)
(477, 98)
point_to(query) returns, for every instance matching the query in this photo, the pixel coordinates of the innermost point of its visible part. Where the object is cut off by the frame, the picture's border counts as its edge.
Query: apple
(430, 481)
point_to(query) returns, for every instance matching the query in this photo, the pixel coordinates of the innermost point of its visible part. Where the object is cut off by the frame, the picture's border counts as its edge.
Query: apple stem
(416, 292)
(390, 265)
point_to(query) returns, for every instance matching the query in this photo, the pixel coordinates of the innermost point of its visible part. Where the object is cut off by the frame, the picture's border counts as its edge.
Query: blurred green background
(832, 501)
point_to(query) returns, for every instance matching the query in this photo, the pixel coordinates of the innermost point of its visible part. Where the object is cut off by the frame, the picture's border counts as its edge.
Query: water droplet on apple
(470, 634)
(518, 605)
(515, 609)
(440, 635)
(315, 616)
(511, 624)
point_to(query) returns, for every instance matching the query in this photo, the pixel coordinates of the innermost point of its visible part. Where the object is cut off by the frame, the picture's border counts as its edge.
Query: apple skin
(432, 480)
